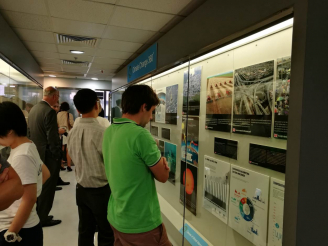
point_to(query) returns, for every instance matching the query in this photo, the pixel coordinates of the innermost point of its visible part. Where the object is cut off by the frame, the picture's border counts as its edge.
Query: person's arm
(11, 188)
(71, 120)
(28, 201)
(161, 170)
(52, 134)
(45, 173)
(61, 131)
(150, 154)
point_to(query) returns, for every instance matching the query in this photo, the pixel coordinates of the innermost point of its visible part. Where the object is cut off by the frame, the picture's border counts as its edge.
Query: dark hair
(12, 118)
(85, 100)
(137, 95)
(102, 113)
(64, 106)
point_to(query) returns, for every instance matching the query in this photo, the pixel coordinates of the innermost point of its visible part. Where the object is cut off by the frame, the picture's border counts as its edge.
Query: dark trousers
(92, 205)
(46, 199)
(31, 237)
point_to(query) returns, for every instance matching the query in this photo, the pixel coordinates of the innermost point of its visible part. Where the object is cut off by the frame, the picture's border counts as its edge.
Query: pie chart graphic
(246, 209)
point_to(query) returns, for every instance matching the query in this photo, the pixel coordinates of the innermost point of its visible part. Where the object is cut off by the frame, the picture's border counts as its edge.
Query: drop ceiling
(120, 30)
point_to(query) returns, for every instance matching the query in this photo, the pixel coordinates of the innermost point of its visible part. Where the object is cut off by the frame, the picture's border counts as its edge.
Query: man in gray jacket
(44, 133)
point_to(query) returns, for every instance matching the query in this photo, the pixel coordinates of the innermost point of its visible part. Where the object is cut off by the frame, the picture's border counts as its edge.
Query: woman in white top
(20, 223)
(65, 120)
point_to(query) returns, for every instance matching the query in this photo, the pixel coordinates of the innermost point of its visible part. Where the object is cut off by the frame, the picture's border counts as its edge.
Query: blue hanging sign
(143, 64)
(193, 238)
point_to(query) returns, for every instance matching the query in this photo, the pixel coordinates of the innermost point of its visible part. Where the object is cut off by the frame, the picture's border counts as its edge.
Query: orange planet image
(190, 181)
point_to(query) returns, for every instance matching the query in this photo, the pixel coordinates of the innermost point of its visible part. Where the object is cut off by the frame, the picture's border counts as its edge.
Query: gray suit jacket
(42, 122)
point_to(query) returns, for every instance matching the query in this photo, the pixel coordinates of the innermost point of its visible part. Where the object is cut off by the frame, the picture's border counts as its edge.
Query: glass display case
(222, 126)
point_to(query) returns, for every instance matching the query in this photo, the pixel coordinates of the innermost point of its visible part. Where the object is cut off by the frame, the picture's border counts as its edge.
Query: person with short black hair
(20, 222)
(117, 110)
(65, 120)
(92, 190)
(44, 133)
(132, 162)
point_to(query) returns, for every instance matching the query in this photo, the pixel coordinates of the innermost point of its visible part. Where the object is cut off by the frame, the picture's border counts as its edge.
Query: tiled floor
(65, 209)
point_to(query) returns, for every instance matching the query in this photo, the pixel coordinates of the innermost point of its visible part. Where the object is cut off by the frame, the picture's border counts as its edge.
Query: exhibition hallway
(65, 209)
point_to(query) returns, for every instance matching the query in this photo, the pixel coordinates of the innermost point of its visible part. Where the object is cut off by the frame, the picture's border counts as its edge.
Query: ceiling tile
(37, 7)
(128, 34)
(139, 19)
(28, 21)
(119, 45)
(80, 10)
(113, 54)
(104, 67)
(105, 1)
(44, 54)
(78, 28)
(44, 61)
(109, 72)
(66, 50)
(35, 36)
(68, 68)
(72, 57)
(107, 60)
(41, 46)
(164, 6)
(51, 68)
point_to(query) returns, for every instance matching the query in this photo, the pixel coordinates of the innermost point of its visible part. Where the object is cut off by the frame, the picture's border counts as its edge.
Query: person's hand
(166, 164)
(61, 131)
(4, 176)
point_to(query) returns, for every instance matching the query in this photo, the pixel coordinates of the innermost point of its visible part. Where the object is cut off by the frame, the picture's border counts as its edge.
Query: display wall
(231, 115)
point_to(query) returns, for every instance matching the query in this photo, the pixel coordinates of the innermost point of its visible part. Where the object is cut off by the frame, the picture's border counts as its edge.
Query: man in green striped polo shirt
(132, 163)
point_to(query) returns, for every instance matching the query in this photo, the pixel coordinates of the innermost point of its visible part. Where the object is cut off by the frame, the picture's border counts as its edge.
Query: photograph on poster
(276, 214)
(166, 133)
(226, 147)
(253, 99)
(154, 130)
(190, 140)
(216, 187)
(188, 186)
(248, 209)
(170, 153)
(219, 102)
(268, 157)
(160, 109)
(160, 145)
(171, 112)
(191, 91)
(281, 110)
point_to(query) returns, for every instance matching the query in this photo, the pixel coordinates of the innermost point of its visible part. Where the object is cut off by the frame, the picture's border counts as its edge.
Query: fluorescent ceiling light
(94, 78)
(12, 86)
(271, 30)
(76, 51)
(53, 76)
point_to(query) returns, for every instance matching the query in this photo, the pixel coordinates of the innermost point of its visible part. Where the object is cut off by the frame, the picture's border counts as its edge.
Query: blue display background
(193, 238)
(143, 64)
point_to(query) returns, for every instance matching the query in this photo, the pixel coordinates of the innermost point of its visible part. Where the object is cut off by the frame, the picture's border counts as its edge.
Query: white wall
(78, 83)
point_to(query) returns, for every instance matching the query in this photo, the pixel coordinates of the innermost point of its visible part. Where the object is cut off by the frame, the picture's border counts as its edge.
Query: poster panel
(160, 145)
(216, 187)
(248, 209)
(191, 93)
(160, 109)
(166, 133)
(226, 147)
(219, 102)
(154, 130)
(188, 186)
(253, 99)
(170, 153)
(268, 157)
(281, 110)
(190, 141)
(171, 111)
(276, 214)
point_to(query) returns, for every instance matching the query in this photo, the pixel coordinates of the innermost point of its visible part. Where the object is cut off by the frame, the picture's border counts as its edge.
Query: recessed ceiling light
(94, 78)
(76, 51)
(12, 86)
(53, 76)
